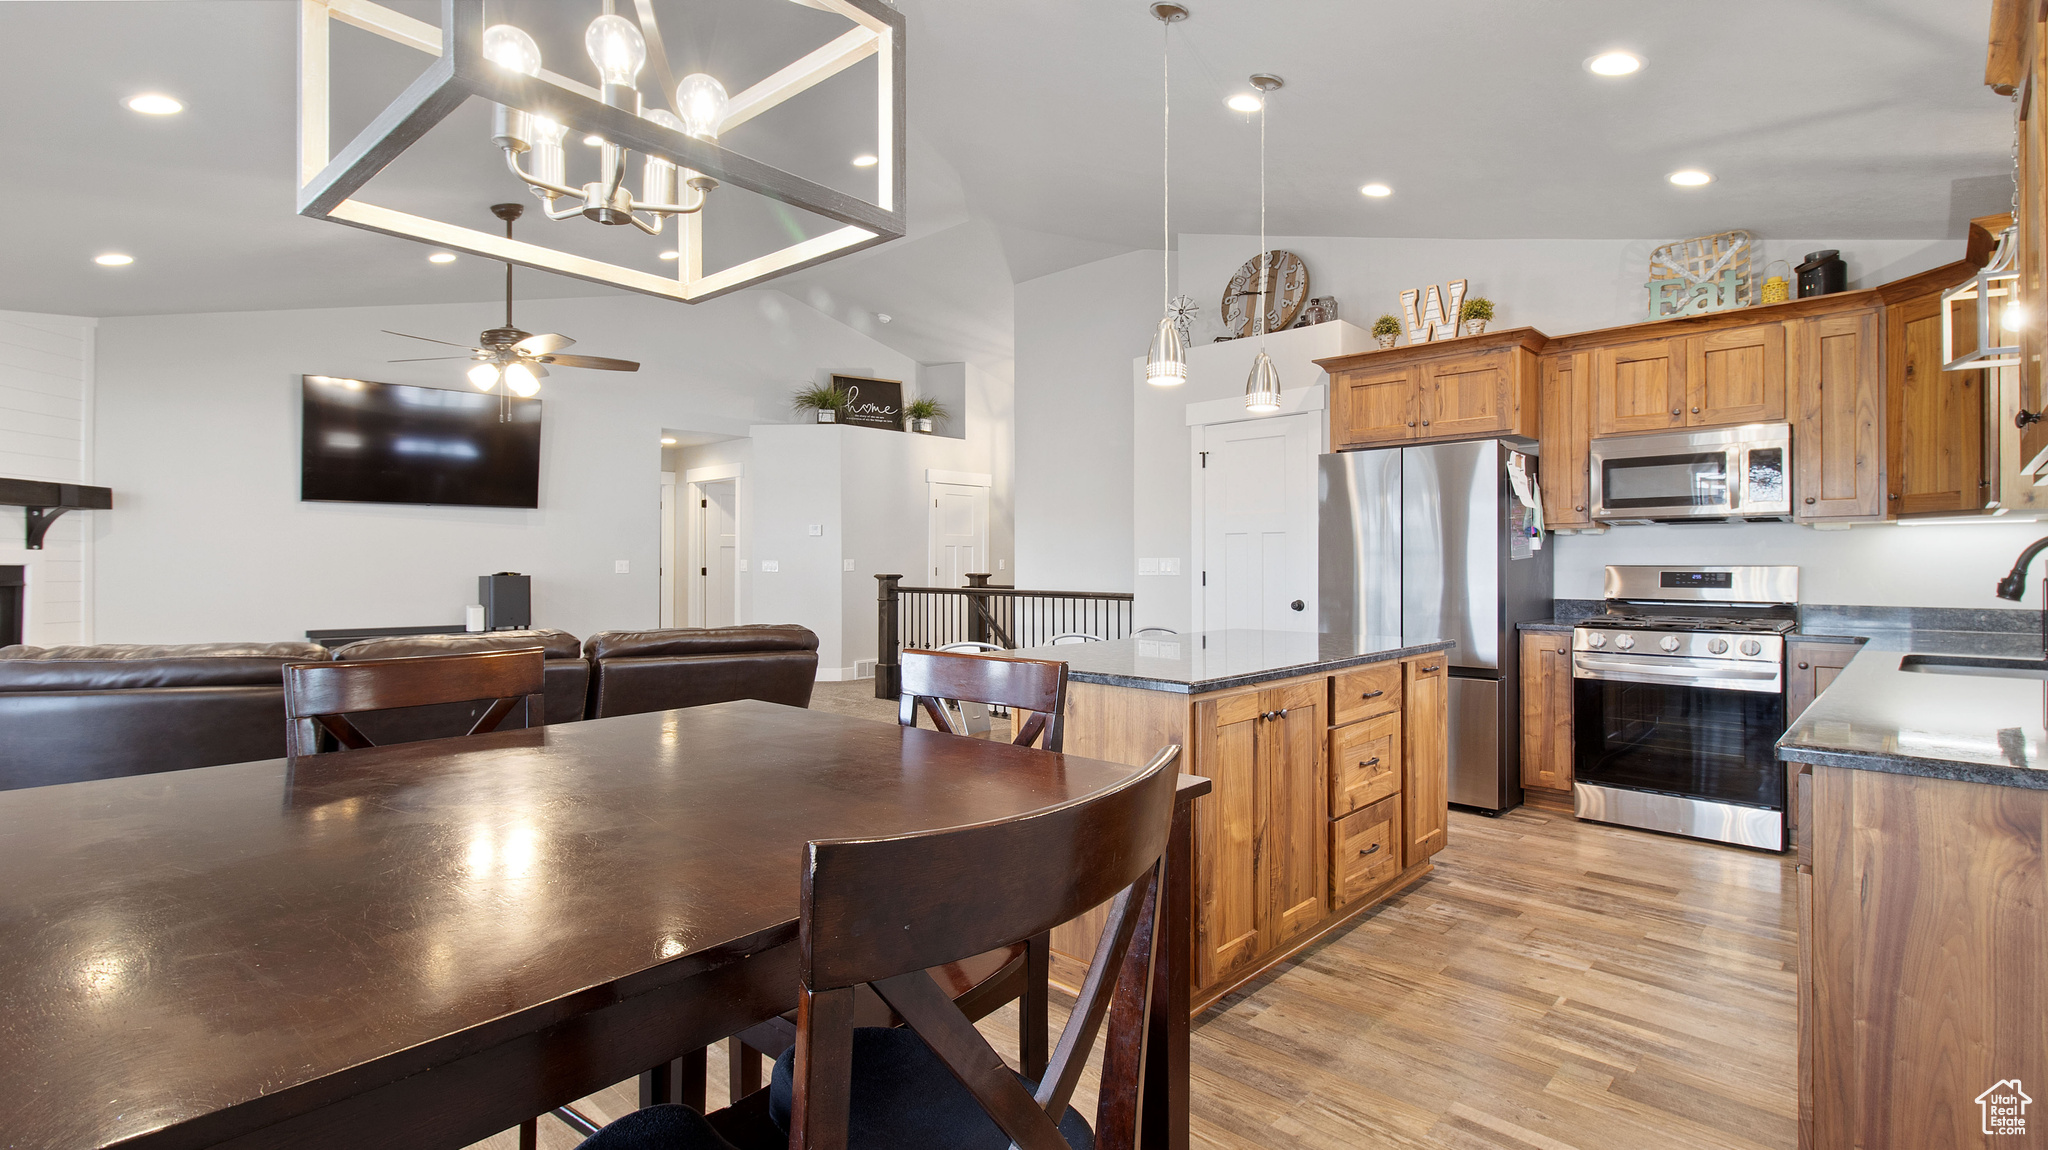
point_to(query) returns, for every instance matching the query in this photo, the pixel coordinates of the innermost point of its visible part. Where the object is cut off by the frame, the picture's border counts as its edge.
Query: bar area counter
(1329, 756)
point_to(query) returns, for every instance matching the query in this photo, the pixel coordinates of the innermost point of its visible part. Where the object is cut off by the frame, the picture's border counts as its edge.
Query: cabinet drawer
(1365, 763)
(1365, 850)
(1362, 692)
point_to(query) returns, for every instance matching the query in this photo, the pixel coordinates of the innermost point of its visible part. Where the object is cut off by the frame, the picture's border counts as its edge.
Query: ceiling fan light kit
(536, 109)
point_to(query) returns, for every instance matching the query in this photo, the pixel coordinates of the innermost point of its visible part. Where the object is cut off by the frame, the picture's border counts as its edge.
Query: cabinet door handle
(1561, 651)
(1695, 411)
(1676, 413)
(1370, 761)
(1373, 849)
(1579, 508)
(1809, 500)
(1425, 423)
(1372, 694)
(1802, 666)
(1411, 423)
(1432, 670)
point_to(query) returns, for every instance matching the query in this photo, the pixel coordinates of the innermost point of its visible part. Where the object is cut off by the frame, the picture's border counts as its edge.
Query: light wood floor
(1554, 984)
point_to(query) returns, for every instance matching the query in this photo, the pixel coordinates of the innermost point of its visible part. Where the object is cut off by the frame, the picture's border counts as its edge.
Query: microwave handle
(1738, 478)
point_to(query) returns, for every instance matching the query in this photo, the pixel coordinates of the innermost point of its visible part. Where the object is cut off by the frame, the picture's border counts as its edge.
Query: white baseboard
(846, 674)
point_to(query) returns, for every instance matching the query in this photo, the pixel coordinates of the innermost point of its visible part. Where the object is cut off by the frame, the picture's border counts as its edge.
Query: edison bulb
(2013, 317)
(702, 100)
(511, 48)
(616, 48)
(484, 376)
(519, 380)
(547, 131)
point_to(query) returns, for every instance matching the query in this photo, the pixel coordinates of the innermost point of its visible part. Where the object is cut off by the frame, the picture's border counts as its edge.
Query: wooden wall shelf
(46, 501)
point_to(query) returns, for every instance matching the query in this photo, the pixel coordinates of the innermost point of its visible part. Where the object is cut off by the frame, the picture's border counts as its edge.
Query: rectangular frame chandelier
(328, 181)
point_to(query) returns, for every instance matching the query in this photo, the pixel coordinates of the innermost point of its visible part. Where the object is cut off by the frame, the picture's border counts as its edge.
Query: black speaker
(508, 600)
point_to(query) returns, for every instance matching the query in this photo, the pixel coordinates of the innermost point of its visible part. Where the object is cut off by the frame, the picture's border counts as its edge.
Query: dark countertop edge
(1545, 626)
(1919, 765)
(1225, 683)
(1811, 637)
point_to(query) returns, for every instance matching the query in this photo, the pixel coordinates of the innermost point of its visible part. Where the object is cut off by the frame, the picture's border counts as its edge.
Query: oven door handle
(1679, 670)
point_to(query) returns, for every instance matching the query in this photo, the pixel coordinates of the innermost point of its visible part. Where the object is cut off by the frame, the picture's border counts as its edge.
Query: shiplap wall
(46, 371)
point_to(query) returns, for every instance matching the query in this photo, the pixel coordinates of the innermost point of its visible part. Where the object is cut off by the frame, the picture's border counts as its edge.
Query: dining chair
(1155, 631)
(1065, 638)
(320, 697)
(980, 984)
(974, 716)
(878, 914)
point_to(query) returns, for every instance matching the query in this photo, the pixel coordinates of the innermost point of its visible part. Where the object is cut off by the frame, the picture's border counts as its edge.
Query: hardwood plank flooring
(1555, 984)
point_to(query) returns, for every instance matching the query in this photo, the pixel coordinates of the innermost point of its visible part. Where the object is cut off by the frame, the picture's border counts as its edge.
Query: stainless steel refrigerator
(1432, 543)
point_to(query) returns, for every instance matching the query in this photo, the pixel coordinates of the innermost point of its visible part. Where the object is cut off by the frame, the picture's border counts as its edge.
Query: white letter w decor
(1435, 322)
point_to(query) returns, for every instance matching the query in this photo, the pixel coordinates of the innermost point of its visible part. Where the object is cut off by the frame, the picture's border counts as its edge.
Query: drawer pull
(1370, 761)
(1372, 694)
(1432, 670)
(1369, 850)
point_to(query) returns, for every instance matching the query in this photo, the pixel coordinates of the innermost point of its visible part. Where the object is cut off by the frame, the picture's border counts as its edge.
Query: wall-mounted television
(370, 442)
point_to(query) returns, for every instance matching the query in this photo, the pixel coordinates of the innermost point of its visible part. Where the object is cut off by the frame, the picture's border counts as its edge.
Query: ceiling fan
(518, 359)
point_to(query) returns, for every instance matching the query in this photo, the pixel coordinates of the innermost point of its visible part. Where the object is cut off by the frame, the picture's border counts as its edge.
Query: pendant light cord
(1165, 166)
(1265, 259)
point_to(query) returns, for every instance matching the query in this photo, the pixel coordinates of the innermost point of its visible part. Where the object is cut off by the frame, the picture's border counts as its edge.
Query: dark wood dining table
(422, 945)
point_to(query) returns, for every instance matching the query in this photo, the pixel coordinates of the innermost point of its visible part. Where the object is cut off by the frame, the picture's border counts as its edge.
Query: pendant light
(1262, 386)
(1166, 361)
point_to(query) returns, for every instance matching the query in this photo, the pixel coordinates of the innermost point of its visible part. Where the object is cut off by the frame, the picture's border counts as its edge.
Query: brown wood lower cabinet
(1547, 713)
(1310, 821)
(1809, 668)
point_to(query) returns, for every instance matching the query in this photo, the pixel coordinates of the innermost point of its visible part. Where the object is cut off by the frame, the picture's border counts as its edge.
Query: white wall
(46, 398)
(1076, 333)
(197, 423)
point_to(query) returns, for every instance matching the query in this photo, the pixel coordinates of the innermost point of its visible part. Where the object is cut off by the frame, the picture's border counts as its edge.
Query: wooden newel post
(977, 621)
(888, 626)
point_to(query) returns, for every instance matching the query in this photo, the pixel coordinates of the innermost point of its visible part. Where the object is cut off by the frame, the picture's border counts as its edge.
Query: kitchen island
(1923, 891)
(1329, 759)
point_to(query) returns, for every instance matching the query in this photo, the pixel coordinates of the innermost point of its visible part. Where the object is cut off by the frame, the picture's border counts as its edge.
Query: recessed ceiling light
(1376, 190)
(113, 259)
(1690, 178)
(441, 258)
(154, 104)
(1614, 64)
(1243, 102)
(670, 255)
(668, 441)
(866, 161)
(593, 140)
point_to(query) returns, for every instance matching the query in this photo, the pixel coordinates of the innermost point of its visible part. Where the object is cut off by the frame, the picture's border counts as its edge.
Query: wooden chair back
(880, 912)
(1034, 686)
(319, 697)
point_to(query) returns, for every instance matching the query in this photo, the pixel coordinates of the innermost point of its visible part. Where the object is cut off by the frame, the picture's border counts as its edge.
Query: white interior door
(959, 532)
(1259, 524)
(670, 561)
(718, 545)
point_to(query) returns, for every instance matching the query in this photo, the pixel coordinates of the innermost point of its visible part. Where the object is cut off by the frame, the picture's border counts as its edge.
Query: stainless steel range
(1678, 697)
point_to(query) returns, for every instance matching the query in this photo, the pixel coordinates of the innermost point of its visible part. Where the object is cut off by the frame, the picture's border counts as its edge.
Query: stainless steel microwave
(1727, 473)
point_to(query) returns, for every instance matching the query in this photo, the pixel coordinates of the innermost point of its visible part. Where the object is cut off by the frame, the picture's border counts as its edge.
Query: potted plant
(1386, 329)
(1476, 312)
(922, 411)
(827, 401)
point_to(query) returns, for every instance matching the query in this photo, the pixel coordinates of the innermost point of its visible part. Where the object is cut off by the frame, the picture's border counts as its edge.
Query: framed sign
(871, 402)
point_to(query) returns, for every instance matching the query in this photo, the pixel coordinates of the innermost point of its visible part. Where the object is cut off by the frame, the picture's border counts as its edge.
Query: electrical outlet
(848, 565)
(622, 566)
(1002, 563)
(770, 565)
(817, 528)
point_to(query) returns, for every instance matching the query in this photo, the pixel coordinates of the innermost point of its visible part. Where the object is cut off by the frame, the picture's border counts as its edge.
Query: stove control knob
(1596, 640)
(1668, 642)
(1625, 642)
(1718, 646)
(1752, 647)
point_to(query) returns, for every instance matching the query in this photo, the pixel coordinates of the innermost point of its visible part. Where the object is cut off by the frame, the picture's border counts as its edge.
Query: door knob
(1297, 605)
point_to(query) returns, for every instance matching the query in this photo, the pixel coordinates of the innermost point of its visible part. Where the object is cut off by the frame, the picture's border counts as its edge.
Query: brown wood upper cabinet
(1934, 419)
(1838, 455)
(1562, 471)
(1459, 389)
(1717, 378)
(1546, 711)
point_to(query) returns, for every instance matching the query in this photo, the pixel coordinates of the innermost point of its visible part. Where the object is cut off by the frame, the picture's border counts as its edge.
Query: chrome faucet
(2014, 585)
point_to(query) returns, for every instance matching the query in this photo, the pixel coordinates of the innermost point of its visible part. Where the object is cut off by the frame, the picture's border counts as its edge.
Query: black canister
(1823, 273)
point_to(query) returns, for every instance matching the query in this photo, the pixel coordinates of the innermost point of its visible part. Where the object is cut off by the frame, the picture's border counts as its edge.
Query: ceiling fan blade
(428, 338)
(542, 344)
(429, 358)
(597, 362)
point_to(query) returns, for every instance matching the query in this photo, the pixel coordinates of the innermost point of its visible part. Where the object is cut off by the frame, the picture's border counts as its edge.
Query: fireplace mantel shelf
(45, 501)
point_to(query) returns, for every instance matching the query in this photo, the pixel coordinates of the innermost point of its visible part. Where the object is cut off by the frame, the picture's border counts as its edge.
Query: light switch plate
(622, 566)
(1002, 563)
(817, 528)
(1169, 566)
(1148, 566)
(848, 565)
(770, 565)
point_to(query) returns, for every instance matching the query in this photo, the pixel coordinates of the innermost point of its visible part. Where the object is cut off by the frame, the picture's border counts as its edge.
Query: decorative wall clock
(1284, 291)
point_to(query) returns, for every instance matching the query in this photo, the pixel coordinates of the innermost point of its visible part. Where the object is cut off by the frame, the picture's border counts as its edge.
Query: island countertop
(1877, 716)
(1204, 661)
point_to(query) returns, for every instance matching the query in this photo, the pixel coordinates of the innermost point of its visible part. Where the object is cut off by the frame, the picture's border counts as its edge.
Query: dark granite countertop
(1877, 716)
(1546, 626)
(1219, 660)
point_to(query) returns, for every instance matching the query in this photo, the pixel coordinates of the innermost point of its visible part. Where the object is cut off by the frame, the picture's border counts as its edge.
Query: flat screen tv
(370, 442)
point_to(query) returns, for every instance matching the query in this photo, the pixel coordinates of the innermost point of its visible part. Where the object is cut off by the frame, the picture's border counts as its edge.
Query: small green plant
(1386, 325)
(925, 407)
(819, 397)
(1478, 307)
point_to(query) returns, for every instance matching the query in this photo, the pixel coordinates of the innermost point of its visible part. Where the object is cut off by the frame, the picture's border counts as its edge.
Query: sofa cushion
(683, 642)
(567, 678)
(556, 644)
(135, 666)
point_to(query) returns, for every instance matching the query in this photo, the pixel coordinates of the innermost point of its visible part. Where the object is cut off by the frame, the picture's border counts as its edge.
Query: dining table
(421, 945)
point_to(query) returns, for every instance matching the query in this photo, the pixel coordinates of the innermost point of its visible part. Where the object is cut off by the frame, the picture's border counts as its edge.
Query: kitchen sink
(1976, 665)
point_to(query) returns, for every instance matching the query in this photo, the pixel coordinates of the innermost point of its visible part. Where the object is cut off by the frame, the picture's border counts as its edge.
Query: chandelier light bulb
(702, 100)
(658, 176)
(519, 380)
(512, 49)
(2013, 317)
(484, 376)
(546, 131)
(617, 49)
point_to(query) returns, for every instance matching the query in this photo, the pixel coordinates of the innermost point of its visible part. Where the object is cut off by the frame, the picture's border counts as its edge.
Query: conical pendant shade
(1166, 361)
(1262, 387)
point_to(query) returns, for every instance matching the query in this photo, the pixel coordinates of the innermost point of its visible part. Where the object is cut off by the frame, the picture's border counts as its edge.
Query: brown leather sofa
(567, 681)
(637, 671)
(95, 712)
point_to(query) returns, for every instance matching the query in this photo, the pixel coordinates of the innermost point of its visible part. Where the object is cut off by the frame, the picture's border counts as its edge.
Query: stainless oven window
(1655, 481)
(1680, 740)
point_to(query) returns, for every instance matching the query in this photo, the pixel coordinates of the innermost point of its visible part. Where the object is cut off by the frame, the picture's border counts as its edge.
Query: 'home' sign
(871, 402)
